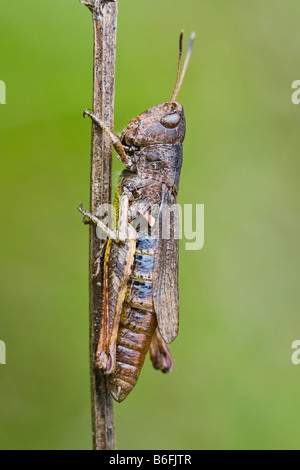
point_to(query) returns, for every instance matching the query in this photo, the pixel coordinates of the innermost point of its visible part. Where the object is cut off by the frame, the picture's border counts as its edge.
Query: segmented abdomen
(138, 321)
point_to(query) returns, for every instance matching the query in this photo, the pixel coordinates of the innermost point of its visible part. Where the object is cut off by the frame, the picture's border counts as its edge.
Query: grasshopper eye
(171, 120)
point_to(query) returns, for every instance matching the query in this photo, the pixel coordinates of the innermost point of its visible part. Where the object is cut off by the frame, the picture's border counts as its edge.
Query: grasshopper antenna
(179, 64)
(186, 63)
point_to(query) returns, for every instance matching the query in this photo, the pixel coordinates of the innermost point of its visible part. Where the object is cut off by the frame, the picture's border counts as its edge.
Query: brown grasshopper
(140, 270)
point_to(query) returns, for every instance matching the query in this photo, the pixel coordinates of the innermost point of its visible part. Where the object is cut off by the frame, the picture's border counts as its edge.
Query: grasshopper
(140, 307)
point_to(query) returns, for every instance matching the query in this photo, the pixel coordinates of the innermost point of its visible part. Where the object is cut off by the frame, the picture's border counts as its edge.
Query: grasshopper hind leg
(160, 354)
(117, 269)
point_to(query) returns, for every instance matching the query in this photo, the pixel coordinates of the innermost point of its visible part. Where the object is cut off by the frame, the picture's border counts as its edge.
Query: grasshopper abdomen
(138, 322)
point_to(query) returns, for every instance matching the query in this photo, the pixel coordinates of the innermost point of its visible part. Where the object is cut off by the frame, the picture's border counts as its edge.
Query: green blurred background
(235, 386)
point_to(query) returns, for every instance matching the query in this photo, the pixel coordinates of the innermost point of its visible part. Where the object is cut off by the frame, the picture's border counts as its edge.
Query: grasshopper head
(164, 123)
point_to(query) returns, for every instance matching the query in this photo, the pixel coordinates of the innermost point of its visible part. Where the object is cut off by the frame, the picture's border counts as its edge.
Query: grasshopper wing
(165, 276)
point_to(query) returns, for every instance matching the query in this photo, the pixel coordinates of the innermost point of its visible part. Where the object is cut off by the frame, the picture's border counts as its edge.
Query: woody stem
(105, 25)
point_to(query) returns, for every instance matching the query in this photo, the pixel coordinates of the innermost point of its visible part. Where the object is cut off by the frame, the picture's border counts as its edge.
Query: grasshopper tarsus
(86, 112)
(85, 220)
(88, 217)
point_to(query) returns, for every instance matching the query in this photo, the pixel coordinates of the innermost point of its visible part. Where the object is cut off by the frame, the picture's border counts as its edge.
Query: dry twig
(105, 25)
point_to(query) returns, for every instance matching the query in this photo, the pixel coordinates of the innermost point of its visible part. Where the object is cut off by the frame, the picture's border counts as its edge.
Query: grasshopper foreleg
(118, 146)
